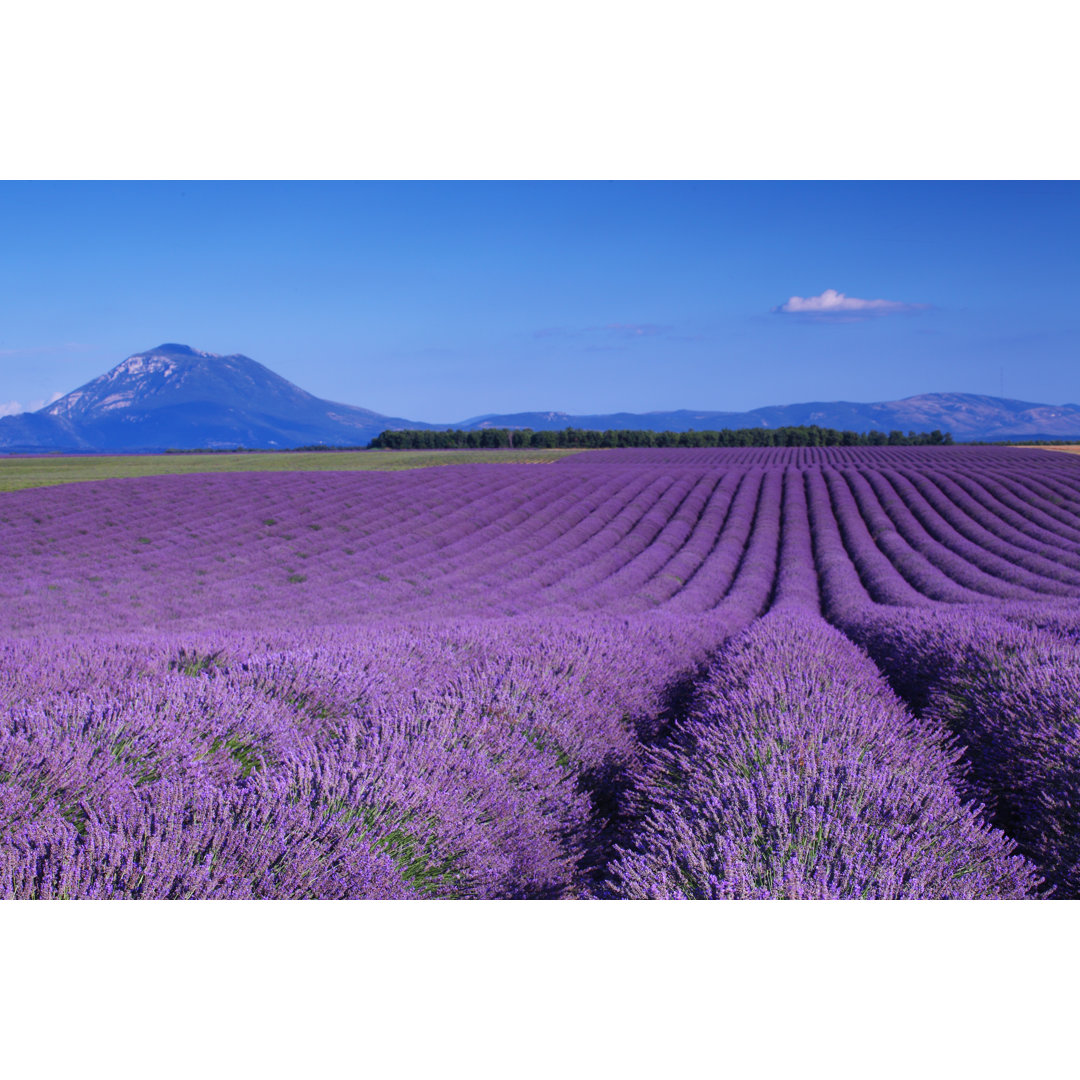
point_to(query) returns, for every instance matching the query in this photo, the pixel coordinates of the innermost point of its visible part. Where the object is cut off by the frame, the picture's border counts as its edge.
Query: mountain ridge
(174, 396)
(177, 397)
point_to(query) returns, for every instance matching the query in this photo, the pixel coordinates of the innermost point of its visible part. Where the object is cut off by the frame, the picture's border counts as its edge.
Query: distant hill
(178, 397)
(967, 416)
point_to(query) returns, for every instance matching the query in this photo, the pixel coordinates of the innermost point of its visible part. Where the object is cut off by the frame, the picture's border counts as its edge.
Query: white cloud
(836, 305)
(14, 408)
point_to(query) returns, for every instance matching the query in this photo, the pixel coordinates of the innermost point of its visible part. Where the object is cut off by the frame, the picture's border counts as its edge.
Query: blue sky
(441, 301)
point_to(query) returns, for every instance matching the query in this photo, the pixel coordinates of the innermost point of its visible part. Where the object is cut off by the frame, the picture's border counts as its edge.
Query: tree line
(496, 438)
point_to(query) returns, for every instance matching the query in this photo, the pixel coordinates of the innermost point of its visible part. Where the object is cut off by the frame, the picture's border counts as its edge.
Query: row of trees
(494, 438)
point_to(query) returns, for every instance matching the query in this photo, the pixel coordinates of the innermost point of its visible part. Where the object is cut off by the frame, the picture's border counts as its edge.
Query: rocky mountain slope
(178, 397)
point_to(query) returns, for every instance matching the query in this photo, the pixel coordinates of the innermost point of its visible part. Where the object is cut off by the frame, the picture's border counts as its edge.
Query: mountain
(178, 397)
(967, 416)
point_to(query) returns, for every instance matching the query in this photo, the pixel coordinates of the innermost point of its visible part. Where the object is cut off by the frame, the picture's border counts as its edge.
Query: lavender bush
(605, 676)
(799, 774)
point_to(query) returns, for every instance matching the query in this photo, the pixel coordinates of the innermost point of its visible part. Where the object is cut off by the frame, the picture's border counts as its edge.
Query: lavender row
(469, 759)
(184, 551)
(435, 685)
(905, 548)
(949, 458)
(799, 774)
(1012, 695)
(935, 527)
(996, 528)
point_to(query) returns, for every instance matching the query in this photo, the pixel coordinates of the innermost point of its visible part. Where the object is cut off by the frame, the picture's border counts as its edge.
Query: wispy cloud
(46, 350)
(833, 306)
(636, 330)
(622, 331)
(14, 408)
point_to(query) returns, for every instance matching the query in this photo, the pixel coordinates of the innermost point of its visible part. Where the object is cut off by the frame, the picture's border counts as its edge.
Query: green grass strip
(17, 473)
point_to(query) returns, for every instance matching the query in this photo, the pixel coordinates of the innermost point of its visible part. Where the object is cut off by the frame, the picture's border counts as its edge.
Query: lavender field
(791, 673)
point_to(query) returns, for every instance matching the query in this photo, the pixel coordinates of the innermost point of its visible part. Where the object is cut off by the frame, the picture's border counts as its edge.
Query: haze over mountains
(176, 397)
